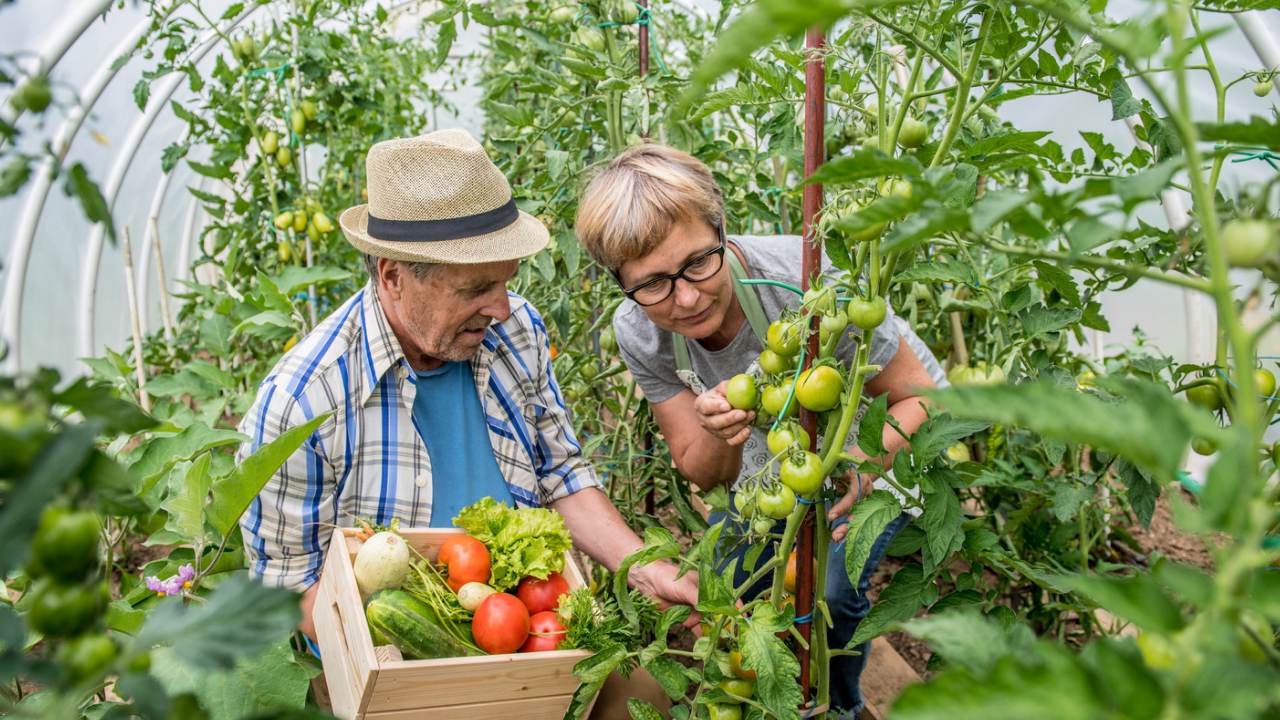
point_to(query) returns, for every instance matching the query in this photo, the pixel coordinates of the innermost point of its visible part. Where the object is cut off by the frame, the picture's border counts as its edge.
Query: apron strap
(751, 307)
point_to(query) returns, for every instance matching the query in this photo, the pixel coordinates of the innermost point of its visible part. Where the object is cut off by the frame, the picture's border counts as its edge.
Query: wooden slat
(460, 681)
(552, 708)
(355, 644)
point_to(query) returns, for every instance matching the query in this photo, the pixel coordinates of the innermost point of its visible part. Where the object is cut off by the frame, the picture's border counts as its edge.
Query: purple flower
(175, 584)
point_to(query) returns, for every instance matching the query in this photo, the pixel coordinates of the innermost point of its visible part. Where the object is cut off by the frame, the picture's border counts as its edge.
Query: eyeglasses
(701, 267)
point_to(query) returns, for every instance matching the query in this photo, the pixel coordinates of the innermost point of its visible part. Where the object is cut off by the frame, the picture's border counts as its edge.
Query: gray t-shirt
(647, 349)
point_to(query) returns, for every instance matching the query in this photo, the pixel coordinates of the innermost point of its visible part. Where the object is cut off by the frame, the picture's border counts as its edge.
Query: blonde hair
(630, 206)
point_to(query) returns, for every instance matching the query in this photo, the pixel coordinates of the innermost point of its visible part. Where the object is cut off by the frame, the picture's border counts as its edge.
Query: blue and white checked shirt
(368, 460)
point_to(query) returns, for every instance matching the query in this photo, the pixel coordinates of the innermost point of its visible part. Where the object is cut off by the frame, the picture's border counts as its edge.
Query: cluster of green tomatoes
(777, 394)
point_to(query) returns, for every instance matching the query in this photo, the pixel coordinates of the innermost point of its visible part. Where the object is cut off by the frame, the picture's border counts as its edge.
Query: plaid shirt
(368, 460)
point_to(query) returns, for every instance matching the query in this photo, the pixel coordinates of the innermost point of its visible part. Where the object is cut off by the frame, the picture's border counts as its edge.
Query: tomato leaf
(942, 525)
(939, 433)
(970, 640)
(867, 521)
(776, 668)
(642, 710)
(272, 680)
(863, 164)
(1138, 599)
(871, 426)
(994, 206)
(669, 674)
(1257, 131)
(897, 602)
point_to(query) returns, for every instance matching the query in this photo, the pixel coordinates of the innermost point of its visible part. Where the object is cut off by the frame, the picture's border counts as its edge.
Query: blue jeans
(848, 605)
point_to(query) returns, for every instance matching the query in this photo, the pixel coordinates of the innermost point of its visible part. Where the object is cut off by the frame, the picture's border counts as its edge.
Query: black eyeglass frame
(679, 274)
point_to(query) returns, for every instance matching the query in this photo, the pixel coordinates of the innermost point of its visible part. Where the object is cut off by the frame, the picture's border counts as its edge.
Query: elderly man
(436, 379)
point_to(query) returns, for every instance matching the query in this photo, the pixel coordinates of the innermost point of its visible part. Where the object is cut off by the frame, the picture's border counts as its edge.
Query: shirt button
(421, 481)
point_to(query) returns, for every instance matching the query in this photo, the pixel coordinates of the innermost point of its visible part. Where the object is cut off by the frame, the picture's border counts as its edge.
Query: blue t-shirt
(451, 422)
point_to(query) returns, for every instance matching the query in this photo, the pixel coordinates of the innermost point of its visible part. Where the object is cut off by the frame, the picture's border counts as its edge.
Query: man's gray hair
(420, 269)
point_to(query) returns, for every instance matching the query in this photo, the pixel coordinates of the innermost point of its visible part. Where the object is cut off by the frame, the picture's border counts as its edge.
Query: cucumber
(410, 625)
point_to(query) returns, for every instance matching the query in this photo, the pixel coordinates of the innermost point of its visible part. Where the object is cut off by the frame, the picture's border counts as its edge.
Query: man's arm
(599, 530)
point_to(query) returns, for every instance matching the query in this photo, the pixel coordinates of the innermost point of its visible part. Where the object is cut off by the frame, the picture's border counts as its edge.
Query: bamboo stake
(302, 177)
(130, 287)
(163, 280)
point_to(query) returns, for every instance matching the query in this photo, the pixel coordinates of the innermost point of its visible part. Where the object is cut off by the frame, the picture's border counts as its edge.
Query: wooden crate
(367, 683)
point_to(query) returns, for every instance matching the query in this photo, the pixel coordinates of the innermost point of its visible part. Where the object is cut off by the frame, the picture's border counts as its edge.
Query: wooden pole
(131, 288)
(814, 134)
(163, 279)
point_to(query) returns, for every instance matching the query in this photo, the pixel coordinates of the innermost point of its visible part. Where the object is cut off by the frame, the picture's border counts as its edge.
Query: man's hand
(658, 581)
(859, 487)
(721, 419)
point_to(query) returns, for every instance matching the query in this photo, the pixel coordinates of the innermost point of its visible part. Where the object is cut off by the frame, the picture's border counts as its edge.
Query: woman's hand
(721, 419)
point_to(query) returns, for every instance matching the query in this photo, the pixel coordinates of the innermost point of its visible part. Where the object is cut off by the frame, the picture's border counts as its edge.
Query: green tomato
(776, 502)
(741, 392)
(592, 38)
(270, 142)
(802, 472)
(1206, 396)
(284, 157)
(738, 687)
(983, 374)
(1248, 243)
(832, 325)
(1203, 446)
(773, 363)
(298, 121)
(820, 300)
(787, 435)
(867, 314)
(1265, 381)
(784, 337)
(896, 187)
(67, 544)
(87, 657)
(913, 133)
(724, 711)
(762, 526)
(626, 12)
(34, 95)
(309, 109)
(775, 397)
(1263, 88)
(959, 453)
(1157, 652)
(744, 501)
(59, 610)
(819, 388)
(563, 14)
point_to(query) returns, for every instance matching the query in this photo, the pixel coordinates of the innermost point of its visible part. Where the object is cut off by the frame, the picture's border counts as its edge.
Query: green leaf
(669, 674)
(642, 710)
(182, 383)
(866, 523)
(776, 668)
(863, 164)
(1257, 131)
(272, 681)
(15, 174)
(994, 206)
(1123, 103)
(1145, 425)
(940, 271)
(1040, 321)
(217, 172)
(92, 202)
(871, 426)
(211, 373)
(897, 602)
(942, 525)
(1149, 182)
(232, 494)
(1068, 498)
(267, 319)
(240, 619)
(971, 640)
(939, 433)
(101, 402)
(924, 225)
(1142, 491)
(142, 93)
(1232, 482)
(186, 507)
(1088, 233)
(1055, 277)
(1138, 599)
(1027, 142)
(295, 278)
(162, 453)
(754, 28)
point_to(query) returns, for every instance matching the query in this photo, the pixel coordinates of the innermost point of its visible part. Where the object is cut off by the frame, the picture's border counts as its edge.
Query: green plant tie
(1247, 153)
(278, 71)
(775, 283)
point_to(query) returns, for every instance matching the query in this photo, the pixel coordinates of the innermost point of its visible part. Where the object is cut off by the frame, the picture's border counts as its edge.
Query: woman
(654, 217)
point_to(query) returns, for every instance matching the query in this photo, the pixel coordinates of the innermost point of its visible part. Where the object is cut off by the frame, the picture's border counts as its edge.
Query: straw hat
(438, 198)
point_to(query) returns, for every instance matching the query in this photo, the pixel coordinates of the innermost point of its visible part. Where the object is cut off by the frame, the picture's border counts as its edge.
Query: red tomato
(539, 595)
(501, 624)
(466, 558)
(545, 633)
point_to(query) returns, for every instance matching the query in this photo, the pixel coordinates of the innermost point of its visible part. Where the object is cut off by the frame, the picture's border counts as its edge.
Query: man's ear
(391, 277)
